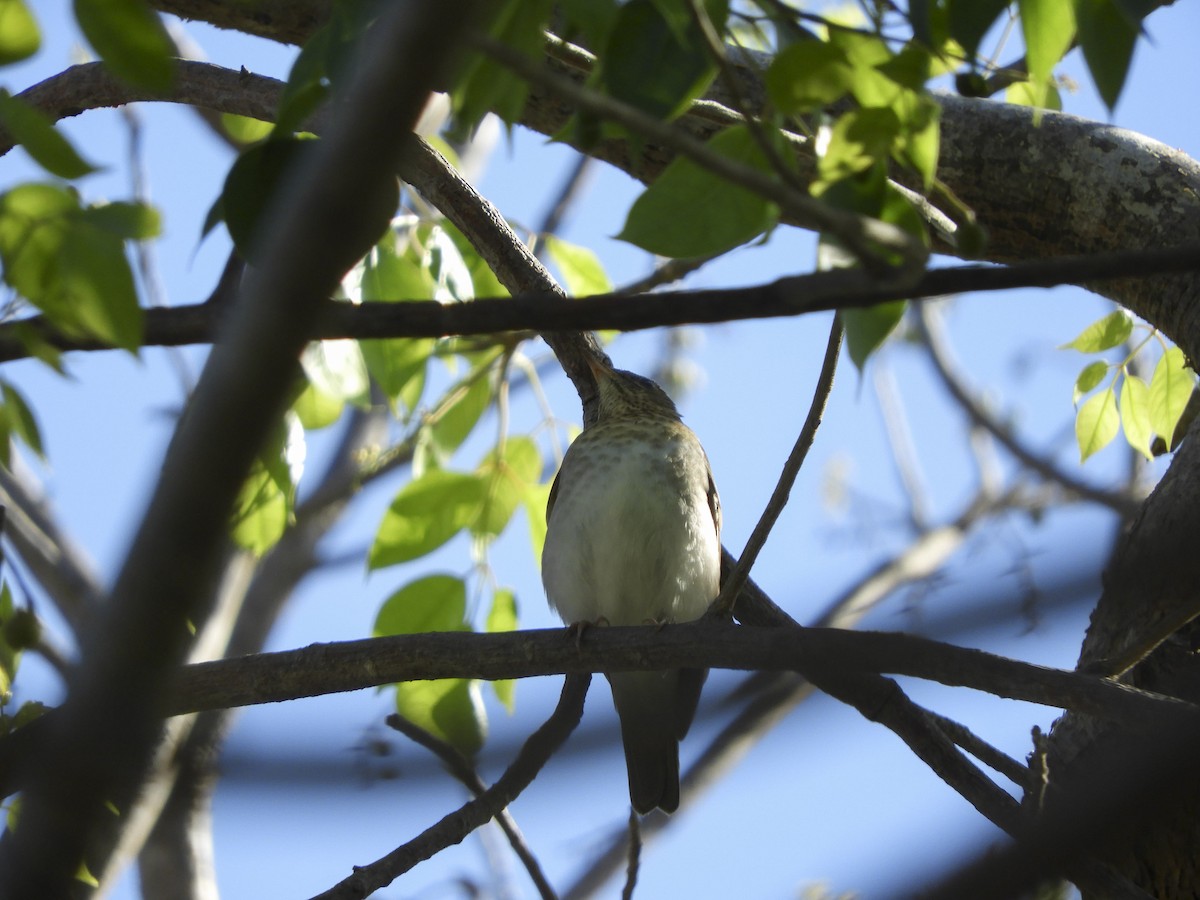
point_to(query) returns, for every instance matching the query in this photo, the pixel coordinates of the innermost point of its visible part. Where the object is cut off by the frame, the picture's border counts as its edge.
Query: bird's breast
(631, 537)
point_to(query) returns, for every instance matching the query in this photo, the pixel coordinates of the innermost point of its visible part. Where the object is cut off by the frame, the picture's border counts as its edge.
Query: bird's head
(626, 395)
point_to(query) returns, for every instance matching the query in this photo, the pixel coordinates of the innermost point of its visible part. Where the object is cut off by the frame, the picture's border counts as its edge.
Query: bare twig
(724, 604)
(460, 767)
(458, 824)
(930, 328)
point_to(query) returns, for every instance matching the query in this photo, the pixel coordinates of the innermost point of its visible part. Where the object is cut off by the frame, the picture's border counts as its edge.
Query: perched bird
(634, 537)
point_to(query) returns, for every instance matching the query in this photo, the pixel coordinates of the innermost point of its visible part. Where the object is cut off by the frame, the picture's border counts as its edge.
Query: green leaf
(431, 603)
(503, 617)
(398, 365)
(45, 144)
(19, 37)
(534, 502)
(1025, 94)
(970, 20)
(867, 329)
(1135, 414)
(1170, 390)
(426, 513)
(1096, 423)
(1103, 334)
(19, 419)
(131, 40)
(689, 211)
(485, 85)
(579, 267)
(1091, 375)
(252, 182)
(465, 405)
(858, 140)
(95, 292)
(245, 130)
(1107, 37)
(336, 368)
(316, 409)
(264, 506)
(450, 709)
(1049, 28)
(807, 76)
(508, 473)
(10, 656)
(649, 64)
(131, 221)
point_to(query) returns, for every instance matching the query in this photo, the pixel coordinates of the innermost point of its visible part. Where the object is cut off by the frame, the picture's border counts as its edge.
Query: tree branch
(732, 587)
(462, 769)
(544, 312)
(108, 724)
(370, 662)
(456, 826)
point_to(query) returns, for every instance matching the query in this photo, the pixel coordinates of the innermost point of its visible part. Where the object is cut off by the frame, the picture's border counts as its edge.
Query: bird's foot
(577, 629)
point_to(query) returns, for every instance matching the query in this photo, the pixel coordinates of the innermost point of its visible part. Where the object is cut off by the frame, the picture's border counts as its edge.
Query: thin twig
(932, 333)
(1014, 771)
(724, 604)
(634, 857)
(458, 824)
(460, 767)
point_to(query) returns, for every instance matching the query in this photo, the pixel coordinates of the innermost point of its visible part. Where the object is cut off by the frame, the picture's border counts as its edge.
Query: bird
(633, 536)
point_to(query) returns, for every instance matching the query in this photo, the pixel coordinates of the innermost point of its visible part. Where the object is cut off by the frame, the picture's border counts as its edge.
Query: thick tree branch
(111, 716)
(353, 665)
(544, 311)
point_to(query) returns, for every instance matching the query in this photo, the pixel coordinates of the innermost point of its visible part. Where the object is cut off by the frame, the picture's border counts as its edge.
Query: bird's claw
(577, 629)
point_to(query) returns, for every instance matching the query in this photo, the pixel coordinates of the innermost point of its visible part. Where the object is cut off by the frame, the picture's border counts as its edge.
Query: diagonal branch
(456, 826)
(462, 769)
(113, 710)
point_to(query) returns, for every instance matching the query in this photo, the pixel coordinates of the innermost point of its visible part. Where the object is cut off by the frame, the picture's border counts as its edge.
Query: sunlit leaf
(1091, 375)
(245, 130)
(688, 211)
(466, 403)
(431, 603)
(1135, 414)
(503, 617)
(1103, 334)
(1096, 423)
(316, 409)
(1170, 389)
(508, 471)
(19, 37)
(450, 709)
(1048, 27)
(131, 221)
(580, 267)
(426, 513)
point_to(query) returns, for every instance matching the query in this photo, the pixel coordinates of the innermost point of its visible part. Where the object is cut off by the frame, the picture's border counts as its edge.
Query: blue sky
(825, 797)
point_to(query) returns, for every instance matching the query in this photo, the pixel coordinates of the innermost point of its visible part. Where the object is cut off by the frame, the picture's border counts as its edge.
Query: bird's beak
(599, 367)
